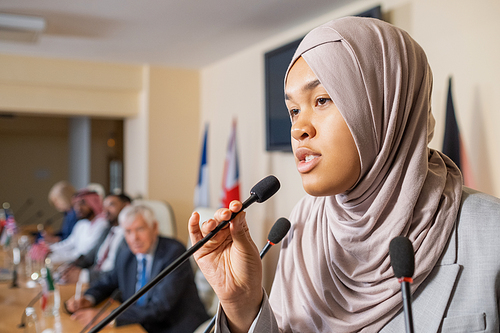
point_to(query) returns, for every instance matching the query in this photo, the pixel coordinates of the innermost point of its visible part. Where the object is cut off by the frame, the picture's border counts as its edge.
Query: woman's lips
(307, 159)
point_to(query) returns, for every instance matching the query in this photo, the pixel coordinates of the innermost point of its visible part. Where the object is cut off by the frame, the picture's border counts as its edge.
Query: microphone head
(402, 257)
(279, 230)
(266, 188)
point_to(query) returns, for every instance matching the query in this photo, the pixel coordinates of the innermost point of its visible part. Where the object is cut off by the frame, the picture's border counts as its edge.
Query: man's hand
(84, 316)
(74, 305)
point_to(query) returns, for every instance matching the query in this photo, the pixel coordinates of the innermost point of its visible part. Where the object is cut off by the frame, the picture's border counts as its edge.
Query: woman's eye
(294, 112)
(322, 101)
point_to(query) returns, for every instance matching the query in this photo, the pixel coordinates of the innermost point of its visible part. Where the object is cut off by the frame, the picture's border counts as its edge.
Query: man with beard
(86, 232)
(101, 258)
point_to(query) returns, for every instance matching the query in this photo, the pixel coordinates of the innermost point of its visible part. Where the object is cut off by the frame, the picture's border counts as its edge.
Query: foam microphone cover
(266, 188)
(279, 230)
(402, 257)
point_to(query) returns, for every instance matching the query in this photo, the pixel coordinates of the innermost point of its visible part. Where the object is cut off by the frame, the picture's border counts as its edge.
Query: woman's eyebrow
(308, 86)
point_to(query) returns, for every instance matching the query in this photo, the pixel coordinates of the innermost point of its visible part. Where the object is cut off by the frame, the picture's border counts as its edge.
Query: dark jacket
(173, 305)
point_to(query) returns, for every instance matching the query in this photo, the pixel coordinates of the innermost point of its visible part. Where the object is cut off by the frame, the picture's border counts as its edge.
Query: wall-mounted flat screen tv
(277, 119)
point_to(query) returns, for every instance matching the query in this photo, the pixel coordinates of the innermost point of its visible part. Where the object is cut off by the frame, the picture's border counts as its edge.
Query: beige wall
(174, 140)
(460, 38)
(55, 86)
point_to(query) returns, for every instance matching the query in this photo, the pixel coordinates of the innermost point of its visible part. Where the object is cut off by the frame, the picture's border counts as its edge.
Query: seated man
(173, 305)
(101, 258)
(88, 229)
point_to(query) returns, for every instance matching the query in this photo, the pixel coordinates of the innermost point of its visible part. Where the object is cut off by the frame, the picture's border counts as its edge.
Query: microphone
(32, 218)
(114, 296)
(261, 191)
(403, 264)
(30, 304)
(277, 233)
(24, 207)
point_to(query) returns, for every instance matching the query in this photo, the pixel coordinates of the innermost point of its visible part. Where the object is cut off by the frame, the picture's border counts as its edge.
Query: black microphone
(262, 191)
(403, 264)
(48, 222)
(33, 217)
(24, 207)
(114, 296)
(30, 304)
(277, 233)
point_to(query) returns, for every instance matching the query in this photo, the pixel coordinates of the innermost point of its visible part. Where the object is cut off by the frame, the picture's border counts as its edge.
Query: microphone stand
(30, 304)
(405, 291)
(110, 301)
(119, 310)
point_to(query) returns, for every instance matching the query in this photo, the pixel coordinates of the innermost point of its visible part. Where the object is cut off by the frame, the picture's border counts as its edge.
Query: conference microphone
(30, 304)
(403, 264)
(32, 218)
(277, 233)
(262, 191)
(114, 296)
(24, 207)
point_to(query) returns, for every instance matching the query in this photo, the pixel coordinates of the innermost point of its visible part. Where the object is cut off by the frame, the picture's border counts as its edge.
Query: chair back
(164, 214)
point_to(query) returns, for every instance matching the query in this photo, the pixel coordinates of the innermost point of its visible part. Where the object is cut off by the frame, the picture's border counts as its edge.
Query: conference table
(13, 302)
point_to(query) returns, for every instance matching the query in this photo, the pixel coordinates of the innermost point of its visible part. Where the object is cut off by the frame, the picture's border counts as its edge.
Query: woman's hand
(231, 264)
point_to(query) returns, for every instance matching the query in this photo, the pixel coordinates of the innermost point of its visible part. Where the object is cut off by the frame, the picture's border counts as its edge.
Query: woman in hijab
(358, 91)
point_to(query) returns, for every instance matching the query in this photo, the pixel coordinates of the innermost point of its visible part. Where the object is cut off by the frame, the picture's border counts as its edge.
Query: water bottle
(31, 322)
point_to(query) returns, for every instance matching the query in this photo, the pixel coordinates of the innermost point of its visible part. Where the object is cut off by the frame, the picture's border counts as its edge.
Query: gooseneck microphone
(114, 296)
(262, 191)
(403, 264)
(277, 233)
(30, 304)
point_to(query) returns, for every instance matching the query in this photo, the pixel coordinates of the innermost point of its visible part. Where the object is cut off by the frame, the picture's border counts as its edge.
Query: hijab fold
(334, 273)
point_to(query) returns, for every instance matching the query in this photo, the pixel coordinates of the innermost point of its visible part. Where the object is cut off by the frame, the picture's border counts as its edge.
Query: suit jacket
(462, 292)
(171, 306)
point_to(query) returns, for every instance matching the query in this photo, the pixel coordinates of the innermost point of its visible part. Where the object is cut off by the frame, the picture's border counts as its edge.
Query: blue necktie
(142, 282)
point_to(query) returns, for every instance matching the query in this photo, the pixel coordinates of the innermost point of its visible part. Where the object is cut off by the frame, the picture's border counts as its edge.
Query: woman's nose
(303, 128)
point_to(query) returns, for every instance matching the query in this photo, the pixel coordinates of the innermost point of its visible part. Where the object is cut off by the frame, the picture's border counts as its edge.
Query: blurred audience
(172, 305)
(87, 231)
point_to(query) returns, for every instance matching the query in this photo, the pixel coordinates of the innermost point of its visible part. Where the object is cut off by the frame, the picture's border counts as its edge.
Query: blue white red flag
(201, 195)
(231, 176)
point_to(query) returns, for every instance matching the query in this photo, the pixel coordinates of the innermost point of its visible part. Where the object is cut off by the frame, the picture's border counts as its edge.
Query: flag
(231, 176)
(201, 197)
(47, 287)
(453, 145)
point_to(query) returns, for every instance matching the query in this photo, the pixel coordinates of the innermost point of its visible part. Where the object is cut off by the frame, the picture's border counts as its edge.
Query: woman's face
(325, 153)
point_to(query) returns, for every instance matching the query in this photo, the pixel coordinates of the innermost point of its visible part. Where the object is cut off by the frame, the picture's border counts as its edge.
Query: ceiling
(180, 33)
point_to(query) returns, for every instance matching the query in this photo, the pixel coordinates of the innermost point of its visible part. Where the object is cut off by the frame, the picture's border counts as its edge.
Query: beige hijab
(334, 273)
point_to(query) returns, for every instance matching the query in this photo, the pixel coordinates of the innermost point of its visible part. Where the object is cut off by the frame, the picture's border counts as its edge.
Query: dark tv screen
(277, 119)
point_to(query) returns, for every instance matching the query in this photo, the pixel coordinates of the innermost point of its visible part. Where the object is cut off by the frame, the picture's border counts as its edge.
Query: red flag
(231, 177)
